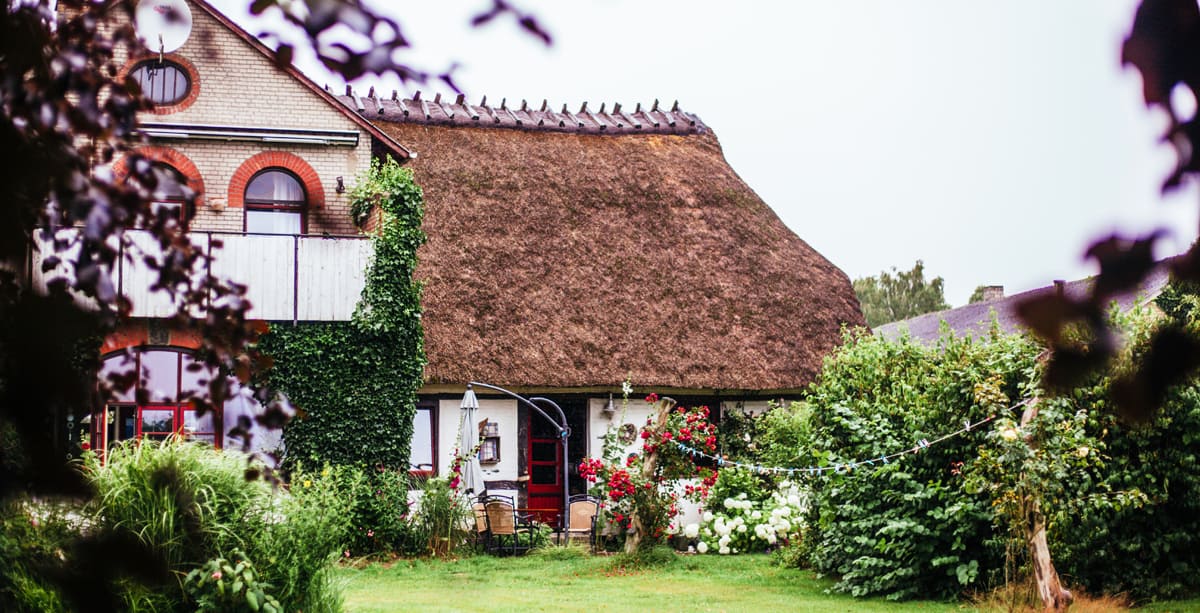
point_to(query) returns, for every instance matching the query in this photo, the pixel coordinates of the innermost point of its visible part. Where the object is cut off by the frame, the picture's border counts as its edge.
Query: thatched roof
(560, 258)
(975, 320)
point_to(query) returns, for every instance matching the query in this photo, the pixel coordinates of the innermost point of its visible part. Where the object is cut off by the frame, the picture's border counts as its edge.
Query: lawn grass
(570, 580)
(565, 581)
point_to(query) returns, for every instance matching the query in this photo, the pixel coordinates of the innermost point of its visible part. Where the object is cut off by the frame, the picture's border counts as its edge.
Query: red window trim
(188, 67)
(254, 204)
(177, 405)
(170, 157)
(276, 159)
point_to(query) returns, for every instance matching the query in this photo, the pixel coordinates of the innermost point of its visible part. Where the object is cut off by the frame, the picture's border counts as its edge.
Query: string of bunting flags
(846, 466)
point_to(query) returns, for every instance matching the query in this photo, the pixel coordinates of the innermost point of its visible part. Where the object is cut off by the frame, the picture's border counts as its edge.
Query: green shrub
(308, 530)
(1122, 503)
(382, 518)
(233, 586)
(33, 539)
(1148, 549)
(191, 506)
(733, 482)
(183, 501)
(443, 516)
(907, 528)
(796, 554)
(783, 435)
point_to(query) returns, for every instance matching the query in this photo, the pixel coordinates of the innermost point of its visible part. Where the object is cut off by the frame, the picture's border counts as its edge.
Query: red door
(545, 479)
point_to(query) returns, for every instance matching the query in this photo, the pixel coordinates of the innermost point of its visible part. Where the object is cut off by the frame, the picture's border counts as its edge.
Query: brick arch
(188, 66)
(170, 157)
(137, 334)
(276, 159)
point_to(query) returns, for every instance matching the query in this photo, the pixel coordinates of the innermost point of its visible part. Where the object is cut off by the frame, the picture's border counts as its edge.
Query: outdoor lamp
(609, 409)
(469, 400)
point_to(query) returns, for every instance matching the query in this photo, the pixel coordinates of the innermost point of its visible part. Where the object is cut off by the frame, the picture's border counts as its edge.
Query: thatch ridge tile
(460, 112)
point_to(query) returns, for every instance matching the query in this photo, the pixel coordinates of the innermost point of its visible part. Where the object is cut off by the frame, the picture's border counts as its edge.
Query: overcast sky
(990, 139)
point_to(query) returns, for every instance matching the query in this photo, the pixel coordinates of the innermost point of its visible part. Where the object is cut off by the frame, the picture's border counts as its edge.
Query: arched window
(275, 203)
(163, 82)
(158, 404)
(170, 194)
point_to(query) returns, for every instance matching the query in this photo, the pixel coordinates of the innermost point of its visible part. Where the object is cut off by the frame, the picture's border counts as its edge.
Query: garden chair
(582, 511)
(506, 530)
(482, 537)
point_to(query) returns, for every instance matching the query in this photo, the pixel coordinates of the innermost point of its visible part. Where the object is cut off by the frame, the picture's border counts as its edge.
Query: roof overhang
(170, 131)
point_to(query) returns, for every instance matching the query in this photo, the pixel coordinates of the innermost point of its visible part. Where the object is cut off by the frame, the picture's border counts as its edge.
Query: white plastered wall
(634, 412)
(501, 411)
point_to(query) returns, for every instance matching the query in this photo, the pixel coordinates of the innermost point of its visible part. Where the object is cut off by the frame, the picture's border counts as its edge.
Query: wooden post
(649, 462)
(1049, 587)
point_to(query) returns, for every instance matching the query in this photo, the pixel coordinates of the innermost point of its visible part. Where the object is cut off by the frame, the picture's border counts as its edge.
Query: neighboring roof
(976, 319)
(392, 145)
(573, 260)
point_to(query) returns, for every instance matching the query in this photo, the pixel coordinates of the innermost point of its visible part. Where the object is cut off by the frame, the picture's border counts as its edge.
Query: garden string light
(846, 466)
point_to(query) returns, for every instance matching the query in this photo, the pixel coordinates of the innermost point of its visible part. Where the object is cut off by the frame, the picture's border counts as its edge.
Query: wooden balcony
(288, 278)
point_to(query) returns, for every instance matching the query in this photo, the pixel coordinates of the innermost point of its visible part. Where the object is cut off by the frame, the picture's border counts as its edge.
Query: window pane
(193, 423)
(193, 383)
(204, 438)
(489, 450)
(544, 452)
(275, 187)
(161, 82)
(120, 365)
(169, 183)
(272, 222)
(158, 421)
(543, 475)
(173, 208)
(160, 370)
(421, 457)
(122, 423)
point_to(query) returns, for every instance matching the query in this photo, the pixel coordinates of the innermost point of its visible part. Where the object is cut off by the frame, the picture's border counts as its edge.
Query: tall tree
(977, 295)
(899, 295)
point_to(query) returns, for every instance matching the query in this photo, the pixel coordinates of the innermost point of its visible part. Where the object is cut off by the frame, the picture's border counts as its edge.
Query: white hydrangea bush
(740, 525)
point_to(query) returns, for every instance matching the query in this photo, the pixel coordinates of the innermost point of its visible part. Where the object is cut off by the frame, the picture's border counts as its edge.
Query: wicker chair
(482, 536)
(582, 511)
(507, 532)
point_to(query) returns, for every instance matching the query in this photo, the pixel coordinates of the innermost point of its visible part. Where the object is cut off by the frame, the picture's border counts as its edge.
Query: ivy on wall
(355, 383)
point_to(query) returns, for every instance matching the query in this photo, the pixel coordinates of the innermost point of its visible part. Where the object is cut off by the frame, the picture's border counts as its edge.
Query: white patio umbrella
(471, 483)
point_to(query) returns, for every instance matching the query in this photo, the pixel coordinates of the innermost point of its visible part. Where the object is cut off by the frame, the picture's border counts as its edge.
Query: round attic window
(163, 82)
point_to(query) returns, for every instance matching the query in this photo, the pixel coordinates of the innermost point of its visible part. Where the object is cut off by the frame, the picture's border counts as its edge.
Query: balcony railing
(288, 278)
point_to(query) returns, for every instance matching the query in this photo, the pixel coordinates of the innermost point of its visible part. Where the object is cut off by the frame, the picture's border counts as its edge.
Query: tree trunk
(633, 540)
(1049, 587)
